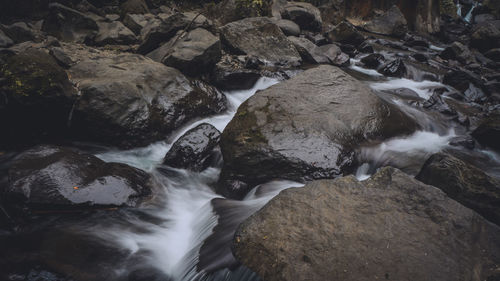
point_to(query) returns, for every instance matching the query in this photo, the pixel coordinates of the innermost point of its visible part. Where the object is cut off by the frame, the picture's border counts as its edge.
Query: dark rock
(305, 48)
(61, 57)
(194, 150)
(463, 141)
(373, 60)
(461, 79)
(37, 98)
(485, 36)
(69, 25)
(230, 74)
(416, 41)
(420, 57)
(305, 128)
(458, 51)
(392, 22)
(465, 183)
(114, 33)
(331, 54)
(366, 48)
(135, 22)
(493, 54)
(437, 103)
(261, 38)
(395, 68)
(134, 7)
(488, 132)
(483, 18)
(130, 100)
(310, 233)
(288, 27)
(305, 15)
(5, 41)
(345, 33)
(20, 32)
(317, 38)
(193, 53)
(49, 177)
(148, 274)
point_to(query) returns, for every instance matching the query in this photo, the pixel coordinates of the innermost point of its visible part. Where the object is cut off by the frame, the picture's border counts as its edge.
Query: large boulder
(304, 14)
(37, 98)
(458, 51)
(193, 53)
(392, 22)
(195, 149)
(69, 25)
(389, 227)
(50, 177)
(303, 129)
(288, 27)
(20, 32)
(464, 183)
(261, 38)
(131, 100)
(114, 33)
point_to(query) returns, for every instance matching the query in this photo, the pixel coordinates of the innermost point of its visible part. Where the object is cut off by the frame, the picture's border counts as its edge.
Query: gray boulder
(325, 54)
(304, 14)
(261, 38)
(303, 129)
(288, 27)
(114, 33)
(136, 22)
(389, 227)
(392, 22)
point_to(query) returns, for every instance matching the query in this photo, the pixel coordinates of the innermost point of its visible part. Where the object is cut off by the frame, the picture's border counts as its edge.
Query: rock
(317, 38)
(345, 33)
(129, 100)
(304, 128)
(465, 81)
(50, 177)
(261, 38)
(194, 150)
(485, 37)
(20, 32)
(5, 41)
(231, 74)
(37, 98)
(193, 53)
(304, 14)
(331, 54)
(135, 22)
(366, 48)
(482, 18)
(61, 57)
(162, 31)
(69, 25)
(114, 33)
(493, 54)
(458, 51)
(305, 48)
(288, 27)
(350, 230)
(134, 7)
(465, 183)
(395, 68)
(373, 61)
(488, 132)
(437, 103)
(392, 22)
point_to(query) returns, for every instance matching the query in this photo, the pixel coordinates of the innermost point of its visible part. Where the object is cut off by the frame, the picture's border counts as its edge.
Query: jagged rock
(194, 150)
(390, 226)
(129, 100)
(485, 36)
(304, 128)
(305, 48)
(392, 22)
(332, 54)
(49, 177)
(69, 25)
(436, 102)
(114, 33)
(395, 68)
(61, 57)
(136, 22)
(373, 60)
(345, 33)
(5, 41)
(488, 132)
(288, 27)
(304, 14)
(261, 38)
(20, 32)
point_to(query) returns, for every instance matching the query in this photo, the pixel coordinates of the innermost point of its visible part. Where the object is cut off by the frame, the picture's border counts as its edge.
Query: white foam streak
(422, 88)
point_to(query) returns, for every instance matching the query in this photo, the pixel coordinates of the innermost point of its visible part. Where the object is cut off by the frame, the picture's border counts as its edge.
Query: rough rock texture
(392, 22)
(345, 33)
(305, 15)
(231, 73)
(458, 51)
(49, 177)
(194, 149)
(288, 27)
(69, 25)
(5, 41)
(134, 7)
(325, 54)
(114, 33)
(488, 132)
(262, 38)
(20, 32)
(305, 128)
(465, 183)
(193, 53)
(131, 100)
(485, 36)
(390, 227)
(373, 60)
(395, 68)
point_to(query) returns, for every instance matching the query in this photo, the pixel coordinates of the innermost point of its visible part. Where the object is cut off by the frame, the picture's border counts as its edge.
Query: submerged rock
(304, 128)
(464, 183)
(55, 178)
(388, 227)
(194, 150)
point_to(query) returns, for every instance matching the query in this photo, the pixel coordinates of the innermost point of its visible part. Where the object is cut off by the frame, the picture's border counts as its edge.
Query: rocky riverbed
(150, 140)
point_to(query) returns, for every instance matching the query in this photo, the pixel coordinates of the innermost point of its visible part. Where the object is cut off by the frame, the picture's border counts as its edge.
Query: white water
(422, 88)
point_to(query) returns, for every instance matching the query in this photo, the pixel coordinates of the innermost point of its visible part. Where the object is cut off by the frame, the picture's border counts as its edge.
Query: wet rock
(458, 51)
(114, 33)
(373, 61)
(417, 42)
(465, 183)
(193, 53)
(460, 79)
(69, 25)
(345, 33)
(134, 7)
(420, 57)
(194, 150)
(61, 57)
(370, 224)
(136, 22)
(485, 37)
(437, 103)
(392, 22)
(493, 54)
(231, 74)
(129, 100)
(331, 54)
(463, 141)
(304, 128)
(20, 32)
(37, 98)
(305, 48)
(261, 38)
(366, 48)
(55, 178)
(288, 27)
(488, 132)
(395, 68)
(5, 41)
(304, 14)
